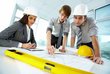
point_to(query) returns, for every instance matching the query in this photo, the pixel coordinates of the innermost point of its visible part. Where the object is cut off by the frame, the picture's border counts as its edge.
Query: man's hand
(62, 49)
(98, 60)
(51, 49)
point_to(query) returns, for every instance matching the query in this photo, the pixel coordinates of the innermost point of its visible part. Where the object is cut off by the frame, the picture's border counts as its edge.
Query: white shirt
(88, 28)
(55, 25)
(28, 33)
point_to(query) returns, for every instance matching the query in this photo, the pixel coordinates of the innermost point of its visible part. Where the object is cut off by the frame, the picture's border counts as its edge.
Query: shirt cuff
(94, 33)
(49, 29)
(20, 45)
(65, 34)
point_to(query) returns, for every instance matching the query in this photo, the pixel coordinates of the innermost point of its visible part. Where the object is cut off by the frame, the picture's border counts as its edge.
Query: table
(12, 66)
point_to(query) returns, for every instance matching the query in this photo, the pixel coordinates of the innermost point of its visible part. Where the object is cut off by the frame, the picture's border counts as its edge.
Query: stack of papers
(68, 58)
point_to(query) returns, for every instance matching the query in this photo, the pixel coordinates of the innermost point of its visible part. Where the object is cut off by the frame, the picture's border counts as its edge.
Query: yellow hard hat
(85, 51)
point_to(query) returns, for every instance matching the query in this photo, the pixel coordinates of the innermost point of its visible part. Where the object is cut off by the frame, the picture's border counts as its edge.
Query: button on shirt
(55, 26)
(28, 33)
(88, 28)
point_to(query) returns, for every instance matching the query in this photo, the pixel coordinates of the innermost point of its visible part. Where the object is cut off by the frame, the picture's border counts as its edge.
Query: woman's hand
(33, 46)
(28, 46)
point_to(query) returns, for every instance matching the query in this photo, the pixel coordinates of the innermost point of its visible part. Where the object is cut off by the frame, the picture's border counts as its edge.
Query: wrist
(20, 45)
(97, 55)
(63, 47)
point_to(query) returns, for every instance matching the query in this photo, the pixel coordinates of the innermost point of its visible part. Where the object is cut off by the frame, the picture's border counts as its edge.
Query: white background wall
(6, 11)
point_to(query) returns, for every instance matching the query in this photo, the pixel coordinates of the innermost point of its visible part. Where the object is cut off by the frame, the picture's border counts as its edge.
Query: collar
(84, 22)
(27, 26)
(59, 21)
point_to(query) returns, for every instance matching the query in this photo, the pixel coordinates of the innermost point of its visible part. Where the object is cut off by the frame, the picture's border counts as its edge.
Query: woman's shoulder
(18, 24)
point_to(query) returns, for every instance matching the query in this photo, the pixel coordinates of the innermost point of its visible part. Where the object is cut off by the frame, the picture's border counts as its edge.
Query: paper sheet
(67, 58)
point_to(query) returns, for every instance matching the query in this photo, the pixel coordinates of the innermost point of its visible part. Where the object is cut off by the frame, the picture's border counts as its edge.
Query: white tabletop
(12, 66)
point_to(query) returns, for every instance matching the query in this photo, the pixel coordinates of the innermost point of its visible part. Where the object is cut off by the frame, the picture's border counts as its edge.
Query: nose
(77, 21)
(62, 17)
(33, 21)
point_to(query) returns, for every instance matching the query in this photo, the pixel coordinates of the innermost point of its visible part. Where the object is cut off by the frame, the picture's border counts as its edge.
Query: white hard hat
(30, 11)
(81, 9)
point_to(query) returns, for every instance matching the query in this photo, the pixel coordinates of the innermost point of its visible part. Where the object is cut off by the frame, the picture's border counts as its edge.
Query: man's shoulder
(73, 24)
(54, 19)
(90, 19)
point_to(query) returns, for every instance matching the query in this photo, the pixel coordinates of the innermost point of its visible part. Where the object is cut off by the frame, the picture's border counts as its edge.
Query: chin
(77, 24)
(30, 24)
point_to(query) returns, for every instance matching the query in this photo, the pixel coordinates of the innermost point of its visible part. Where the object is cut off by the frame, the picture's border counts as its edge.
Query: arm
(8, 43)
(93, 35)
(64, 41)
(49, 47)
(73, 36)
(95, 46)
(48, 38)
(6, 34)
(97, 57)
(49, 32)
(72, 41)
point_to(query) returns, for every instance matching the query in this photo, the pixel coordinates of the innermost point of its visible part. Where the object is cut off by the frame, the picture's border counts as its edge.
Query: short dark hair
(66, 9)
(24, 19)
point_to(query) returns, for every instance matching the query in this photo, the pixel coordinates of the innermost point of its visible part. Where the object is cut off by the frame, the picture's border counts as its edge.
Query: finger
(34, 47)
(48, 51)
(97, 61)
(53, 49)
(29, 46)
(91, 58)
(94, 59)
(101, 62)
(62, 50)
(33, 44)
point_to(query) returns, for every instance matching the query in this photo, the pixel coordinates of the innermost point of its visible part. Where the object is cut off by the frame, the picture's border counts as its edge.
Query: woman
(20, 33)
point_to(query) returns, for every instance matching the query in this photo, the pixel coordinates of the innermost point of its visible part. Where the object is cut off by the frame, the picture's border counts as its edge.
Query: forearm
(64, 41)
(72, 42)
(95, 46)
(48, 38)
(8, 43)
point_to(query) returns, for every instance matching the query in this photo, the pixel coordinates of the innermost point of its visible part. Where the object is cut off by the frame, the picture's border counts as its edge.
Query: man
(86, 31)
(57, 31)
